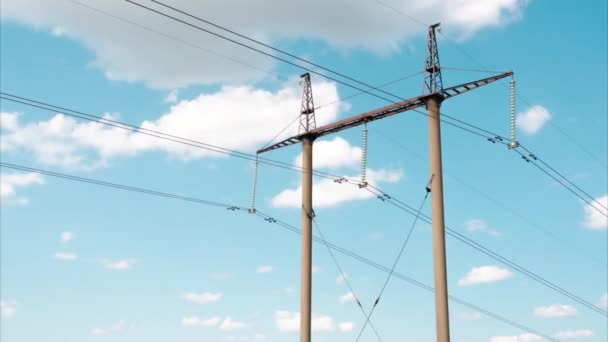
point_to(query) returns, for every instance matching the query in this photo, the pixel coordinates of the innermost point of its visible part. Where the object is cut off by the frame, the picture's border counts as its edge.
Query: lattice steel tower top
(307, 113)
(432, 68)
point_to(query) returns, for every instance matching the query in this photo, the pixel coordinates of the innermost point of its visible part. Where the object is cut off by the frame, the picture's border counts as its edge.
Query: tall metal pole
(306, 275)
(433, 104)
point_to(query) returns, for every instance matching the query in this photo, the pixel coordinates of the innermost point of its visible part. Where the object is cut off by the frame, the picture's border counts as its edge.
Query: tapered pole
(306, 275)
(433, 104)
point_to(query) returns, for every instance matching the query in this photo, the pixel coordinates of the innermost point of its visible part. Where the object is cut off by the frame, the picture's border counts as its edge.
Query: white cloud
(8, 309)
(327, 193)
(347, 298)
(10, 182)
(376, 236)
(172, 96)
(603, 301)
(346, 326)
(528, 337)
(595, 219)
(228, 324)
(333, 154)
(66, 237)
(64, 256)
(196, 321)
(120, 326)
(476, 225)
(533, 119)
(202, 298)
(263, 269)
(341, 279)
(485, 275)
(574, 334)
(288, 321)
(341, 24)
(260, 338)
(66, 142)
(469, 316)
(289, 290)
(554, 311)
(119, 264)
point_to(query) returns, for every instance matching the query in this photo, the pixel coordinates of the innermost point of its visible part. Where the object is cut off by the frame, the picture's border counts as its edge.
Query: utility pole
(307, 122)
(434, 83)
(431, 98)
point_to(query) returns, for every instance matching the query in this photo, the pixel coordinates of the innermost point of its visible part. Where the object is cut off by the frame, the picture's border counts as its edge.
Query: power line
(496, 256)
(388, 277)
(495, 138)
(280, 223)
(219, 150)
(476, 61)
(490, 198)
(403, 277)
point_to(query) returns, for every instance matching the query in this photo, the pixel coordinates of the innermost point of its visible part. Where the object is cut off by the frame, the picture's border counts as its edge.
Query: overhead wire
(492, 199)
(385, 197)
(476, 61)
(272, 220)
(368, 91)
(269, 219)
(206, 146)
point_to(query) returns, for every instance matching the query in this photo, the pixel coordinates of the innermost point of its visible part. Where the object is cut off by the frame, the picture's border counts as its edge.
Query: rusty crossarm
(384, 112)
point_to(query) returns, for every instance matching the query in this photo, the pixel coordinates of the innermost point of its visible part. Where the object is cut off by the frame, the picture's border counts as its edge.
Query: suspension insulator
(513, 143)
(364, 158)
(255, 183)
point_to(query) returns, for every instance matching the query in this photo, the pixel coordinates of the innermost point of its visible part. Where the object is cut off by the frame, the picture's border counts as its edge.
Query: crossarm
(386, 111)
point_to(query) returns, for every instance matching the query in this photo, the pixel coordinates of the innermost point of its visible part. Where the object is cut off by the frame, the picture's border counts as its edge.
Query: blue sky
(80, 262)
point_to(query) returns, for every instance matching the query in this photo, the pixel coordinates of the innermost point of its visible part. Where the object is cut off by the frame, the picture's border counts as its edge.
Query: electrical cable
(274, 221)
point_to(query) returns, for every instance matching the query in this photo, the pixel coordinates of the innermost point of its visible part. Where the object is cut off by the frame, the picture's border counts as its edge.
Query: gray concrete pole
(306, 272)
(433, 104)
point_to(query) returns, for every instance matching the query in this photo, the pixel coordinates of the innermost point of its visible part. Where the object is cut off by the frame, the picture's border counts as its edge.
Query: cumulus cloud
(66, 142)
(603, 301)
(347, 298)
(574, 334)
(485, 275)
(333, 154)
(202, 298)
(10, 182)
(555, 311)
(346, 326)
(263, 269)
(66, 237)
(328, 193)
(341, 279)
(190, 56)
(119, 326)
(287, 321)
(121, 265)
(64, 256)
(228, 324)
(533, 119)
(194, 321)
(595, 219)
(476, 225)
(8, 309)
(528, 337)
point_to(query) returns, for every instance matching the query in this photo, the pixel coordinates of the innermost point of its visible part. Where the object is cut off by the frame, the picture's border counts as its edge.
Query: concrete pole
(433, 104)
(306, 272)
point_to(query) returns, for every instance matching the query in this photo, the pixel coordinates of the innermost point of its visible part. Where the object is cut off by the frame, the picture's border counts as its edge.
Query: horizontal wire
(271, 220)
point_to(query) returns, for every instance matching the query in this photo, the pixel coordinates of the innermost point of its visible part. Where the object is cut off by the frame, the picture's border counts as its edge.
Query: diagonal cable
(343, 275)
(390, 274)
